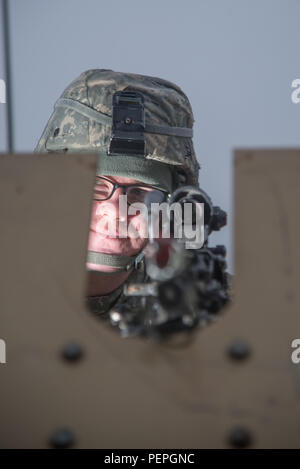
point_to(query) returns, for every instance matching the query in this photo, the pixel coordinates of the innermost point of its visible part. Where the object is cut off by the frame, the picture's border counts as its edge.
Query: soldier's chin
(102, 268)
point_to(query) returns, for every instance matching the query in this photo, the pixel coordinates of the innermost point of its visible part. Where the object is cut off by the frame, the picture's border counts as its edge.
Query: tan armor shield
(71, 381)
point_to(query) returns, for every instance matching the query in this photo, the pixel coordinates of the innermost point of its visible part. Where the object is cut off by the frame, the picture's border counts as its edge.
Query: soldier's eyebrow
(139, 183)
(111, 178)
(107, 177)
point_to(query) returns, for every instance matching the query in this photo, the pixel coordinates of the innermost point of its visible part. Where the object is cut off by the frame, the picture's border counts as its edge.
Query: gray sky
(235, 60)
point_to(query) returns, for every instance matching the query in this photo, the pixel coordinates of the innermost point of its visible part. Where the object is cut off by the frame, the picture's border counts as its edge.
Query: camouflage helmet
(82, 122)
(82, 117)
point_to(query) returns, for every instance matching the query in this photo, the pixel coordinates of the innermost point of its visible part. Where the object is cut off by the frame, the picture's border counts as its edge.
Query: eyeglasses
(104, 189)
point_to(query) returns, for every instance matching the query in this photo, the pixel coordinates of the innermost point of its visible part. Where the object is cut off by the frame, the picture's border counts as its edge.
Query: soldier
(82, 122)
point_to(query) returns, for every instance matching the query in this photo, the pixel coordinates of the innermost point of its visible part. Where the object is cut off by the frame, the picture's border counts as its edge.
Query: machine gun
(184, 288)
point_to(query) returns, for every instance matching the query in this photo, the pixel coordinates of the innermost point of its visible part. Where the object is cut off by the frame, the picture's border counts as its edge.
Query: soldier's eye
(102, 188)
(137, 194)
(137, 191)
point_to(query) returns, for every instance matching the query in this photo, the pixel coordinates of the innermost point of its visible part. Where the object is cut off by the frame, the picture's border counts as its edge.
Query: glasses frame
(124, 187)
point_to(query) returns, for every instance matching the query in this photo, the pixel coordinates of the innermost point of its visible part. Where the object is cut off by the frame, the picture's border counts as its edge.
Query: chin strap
(122, 263)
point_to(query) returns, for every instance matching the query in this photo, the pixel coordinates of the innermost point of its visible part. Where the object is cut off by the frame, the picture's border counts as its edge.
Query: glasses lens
(103, 189)
(145, 195)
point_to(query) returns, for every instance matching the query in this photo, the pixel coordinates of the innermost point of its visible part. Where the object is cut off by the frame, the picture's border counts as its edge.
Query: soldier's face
(106, 214)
